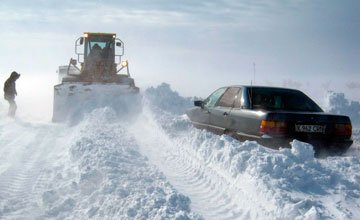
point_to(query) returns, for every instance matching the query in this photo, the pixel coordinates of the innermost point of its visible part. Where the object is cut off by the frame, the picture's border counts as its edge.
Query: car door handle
(225, 114)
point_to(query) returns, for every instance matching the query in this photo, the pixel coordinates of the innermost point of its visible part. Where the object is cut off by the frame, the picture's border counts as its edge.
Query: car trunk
(305, 126)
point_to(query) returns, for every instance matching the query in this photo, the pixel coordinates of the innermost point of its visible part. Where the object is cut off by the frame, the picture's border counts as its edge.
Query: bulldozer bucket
(73, 100)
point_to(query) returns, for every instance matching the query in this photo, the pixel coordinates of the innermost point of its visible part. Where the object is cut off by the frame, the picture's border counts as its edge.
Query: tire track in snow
(213, 194)
(24, 181)
(204, 184)
(16, 189)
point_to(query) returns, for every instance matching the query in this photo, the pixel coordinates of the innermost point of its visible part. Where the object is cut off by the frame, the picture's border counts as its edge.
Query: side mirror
(118, 44)
(199, 103)
(81, 40)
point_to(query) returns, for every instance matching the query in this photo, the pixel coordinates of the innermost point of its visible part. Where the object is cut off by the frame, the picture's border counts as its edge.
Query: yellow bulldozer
(97, 78)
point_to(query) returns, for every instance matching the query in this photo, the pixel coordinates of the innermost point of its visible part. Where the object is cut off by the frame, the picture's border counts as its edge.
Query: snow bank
(108, 178)
(338, 104)
(162, 97)
(91, 170)
(288, 179)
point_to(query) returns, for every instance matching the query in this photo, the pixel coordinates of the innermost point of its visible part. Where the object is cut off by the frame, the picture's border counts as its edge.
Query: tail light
(343, 130)
(273, 127)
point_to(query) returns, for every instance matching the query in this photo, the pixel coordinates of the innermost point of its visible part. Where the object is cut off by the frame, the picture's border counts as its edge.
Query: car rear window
(281, 99)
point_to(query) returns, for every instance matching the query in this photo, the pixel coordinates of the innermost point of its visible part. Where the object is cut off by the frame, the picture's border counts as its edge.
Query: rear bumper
(321, 146)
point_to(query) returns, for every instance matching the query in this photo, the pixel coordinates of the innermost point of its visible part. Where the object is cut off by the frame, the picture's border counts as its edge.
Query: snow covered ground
(158, 166)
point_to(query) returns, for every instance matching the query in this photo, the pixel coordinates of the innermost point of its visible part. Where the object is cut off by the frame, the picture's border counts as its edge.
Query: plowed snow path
(213, 194)
(23, 173)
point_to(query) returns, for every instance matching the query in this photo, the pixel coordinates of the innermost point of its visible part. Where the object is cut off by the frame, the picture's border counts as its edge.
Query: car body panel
(202, 116)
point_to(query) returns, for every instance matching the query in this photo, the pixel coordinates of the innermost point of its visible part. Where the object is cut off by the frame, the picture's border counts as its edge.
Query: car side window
(237, 102)
(229, 97)
(282, 99)
(214, 98)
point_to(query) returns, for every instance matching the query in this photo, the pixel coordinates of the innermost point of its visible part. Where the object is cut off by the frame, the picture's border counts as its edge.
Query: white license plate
(310, 128)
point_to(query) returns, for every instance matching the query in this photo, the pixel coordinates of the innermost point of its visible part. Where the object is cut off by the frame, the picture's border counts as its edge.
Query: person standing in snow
(10, 92)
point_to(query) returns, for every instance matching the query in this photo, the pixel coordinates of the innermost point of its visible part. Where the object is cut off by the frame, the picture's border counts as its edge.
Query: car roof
(257, 86)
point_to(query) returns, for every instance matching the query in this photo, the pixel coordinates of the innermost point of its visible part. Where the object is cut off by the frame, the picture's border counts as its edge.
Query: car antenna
(251, 86)
(254, 71)
(251, 90)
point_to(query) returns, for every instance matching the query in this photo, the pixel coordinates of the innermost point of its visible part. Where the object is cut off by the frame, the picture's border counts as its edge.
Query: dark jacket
(10, 86)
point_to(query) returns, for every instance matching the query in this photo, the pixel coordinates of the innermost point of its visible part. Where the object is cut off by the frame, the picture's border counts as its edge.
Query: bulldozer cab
(101, 42)
(98, 52)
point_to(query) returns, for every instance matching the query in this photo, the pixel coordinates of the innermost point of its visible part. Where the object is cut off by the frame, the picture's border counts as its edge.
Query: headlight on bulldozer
(124, 63)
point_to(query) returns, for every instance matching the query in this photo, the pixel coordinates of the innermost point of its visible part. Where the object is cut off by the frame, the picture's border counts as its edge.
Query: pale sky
(195, 46)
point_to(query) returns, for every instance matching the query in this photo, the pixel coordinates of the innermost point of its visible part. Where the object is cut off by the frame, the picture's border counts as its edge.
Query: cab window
(100, 42)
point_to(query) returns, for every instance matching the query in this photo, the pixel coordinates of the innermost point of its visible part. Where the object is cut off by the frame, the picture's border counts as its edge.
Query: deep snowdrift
(90, 170)
(160, 167)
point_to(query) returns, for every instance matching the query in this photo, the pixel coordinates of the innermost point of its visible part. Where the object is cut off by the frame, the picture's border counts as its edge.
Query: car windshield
(281, 99)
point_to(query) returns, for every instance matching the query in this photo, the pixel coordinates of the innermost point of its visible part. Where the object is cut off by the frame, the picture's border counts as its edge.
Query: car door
(201, 116)
(219, 114)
